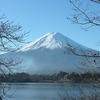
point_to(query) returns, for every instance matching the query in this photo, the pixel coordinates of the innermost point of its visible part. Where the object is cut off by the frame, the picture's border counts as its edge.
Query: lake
(45, 91)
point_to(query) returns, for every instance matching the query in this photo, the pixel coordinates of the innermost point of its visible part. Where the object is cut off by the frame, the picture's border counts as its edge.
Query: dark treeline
(60, 77)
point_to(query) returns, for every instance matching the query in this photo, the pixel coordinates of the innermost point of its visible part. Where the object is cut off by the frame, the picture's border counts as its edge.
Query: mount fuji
(48, 55)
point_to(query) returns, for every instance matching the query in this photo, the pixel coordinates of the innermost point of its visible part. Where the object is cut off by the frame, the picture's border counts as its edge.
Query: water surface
(44, 91)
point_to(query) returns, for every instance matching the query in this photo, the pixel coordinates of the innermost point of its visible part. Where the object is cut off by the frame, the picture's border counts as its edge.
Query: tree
(10, 37)
(84, 14)
(87, 18)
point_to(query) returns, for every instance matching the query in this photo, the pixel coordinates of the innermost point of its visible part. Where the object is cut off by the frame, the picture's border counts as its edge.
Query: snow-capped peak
(51, 40)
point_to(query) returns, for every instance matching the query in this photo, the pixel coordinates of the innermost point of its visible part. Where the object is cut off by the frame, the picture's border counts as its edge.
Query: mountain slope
(48, 55)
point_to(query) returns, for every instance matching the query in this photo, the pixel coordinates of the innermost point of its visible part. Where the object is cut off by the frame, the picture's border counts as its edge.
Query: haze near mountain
(48, 55)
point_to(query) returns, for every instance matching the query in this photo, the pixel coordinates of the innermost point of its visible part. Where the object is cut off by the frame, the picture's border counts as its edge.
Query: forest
(86, 77)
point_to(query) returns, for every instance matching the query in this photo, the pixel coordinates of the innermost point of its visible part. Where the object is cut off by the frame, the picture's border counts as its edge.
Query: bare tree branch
(84, 16)
(10, 37)
(96, 1)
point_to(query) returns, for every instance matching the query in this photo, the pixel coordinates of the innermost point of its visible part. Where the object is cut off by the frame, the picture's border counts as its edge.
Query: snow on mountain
(50, 41)
(47, 55)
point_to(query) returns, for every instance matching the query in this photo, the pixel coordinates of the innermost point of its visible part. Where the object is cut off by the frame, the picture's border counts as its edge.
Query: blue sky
(43, 16)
